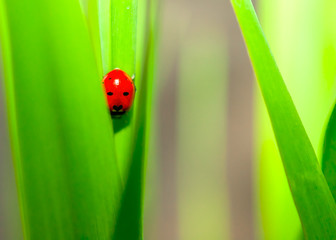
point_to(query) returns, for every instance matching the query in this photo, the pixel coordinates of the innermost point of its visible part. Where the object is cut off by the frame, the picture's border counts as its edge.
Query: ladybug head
(120, 91)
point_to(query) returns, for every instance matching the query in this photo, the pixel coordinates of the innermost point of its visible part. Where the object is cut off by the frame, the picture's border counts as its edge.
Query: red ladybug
(120, 90)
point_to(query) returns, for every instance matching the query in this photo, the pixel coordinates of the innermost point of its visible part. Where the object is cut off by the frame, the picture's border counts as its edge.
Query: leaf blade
(303, 172)
(329, 153)
(131, 211)
(65, 164)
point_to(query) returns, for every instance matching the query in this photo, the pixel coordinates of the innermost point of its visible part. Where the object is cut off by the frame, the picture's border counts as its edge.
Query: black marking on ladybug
(125, 93)
(117, 108)
(110, 93)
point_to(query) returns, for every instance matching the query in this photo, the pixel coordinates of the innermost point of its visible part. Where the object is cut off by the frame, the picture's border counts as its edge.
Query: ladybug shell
(120, 90)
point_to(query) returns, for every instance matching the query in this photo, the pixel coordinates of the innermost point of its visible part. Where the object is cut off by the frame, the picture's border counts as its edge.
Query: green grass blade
(329, 70)
(130, 221)
(61, 132)
(93, 23)
(306, 57)
(123, 38)
(84, 6)
(11, 226)
(310, 191)
(123, 48)
(100, 10)
(117, 22)
(329, 153)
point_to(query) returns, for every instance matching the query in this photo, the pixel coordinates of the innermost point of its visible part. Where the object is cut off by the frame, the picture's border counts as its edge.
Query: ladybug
(120, 91)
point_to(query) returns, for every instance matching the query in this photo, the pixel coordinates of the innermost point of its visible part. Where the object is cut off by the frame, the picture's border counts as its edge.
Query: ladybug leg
(133, 78)
(116, 114)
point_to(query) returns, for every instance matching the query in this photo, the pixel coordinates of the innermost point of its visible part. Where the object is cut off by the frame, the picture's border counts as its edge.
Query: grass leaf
(62, 138)
(329, 153)
(117, 23)
(300, 35)
(310, 191)
(93, 23)
(123, 49)
(130, 221)
(100, 12)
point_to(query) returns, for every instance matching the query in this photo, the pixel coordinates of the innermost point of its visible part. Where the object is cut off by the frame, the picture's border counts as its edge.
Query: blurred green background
(213, 170)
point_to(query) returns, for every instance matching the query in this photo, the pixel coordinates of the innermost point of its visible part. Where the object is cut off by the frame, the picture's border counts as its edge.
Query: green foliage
(113, 26)
(123, 49)
(61, 131)
(116, 26)
(329, 153)
(300, 34)
(131, 211)
(329, 64)
(310, 191)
